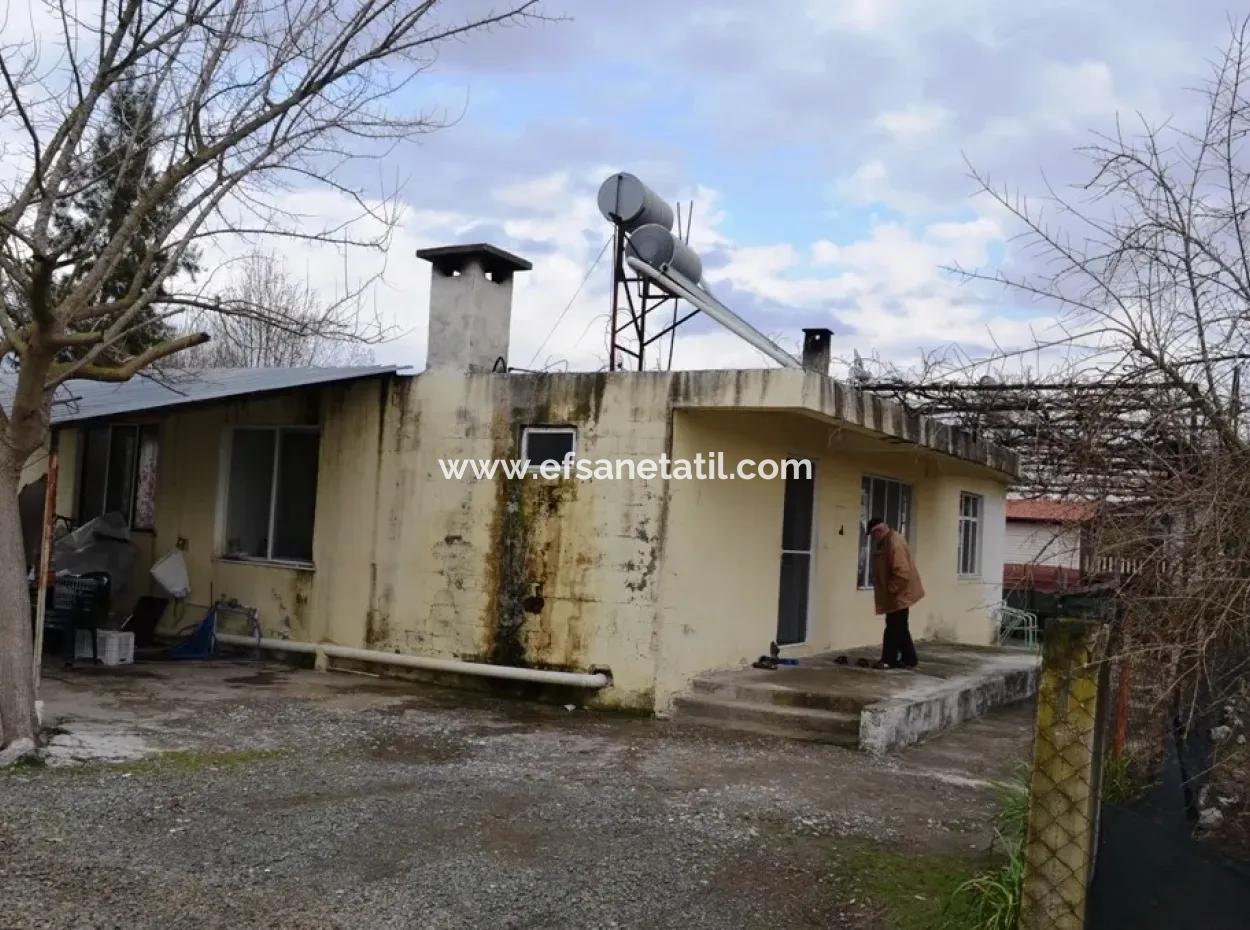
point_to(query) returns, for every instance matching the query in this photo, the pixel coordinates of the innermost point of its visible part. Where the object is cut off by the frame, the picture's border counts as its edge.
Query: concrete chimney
(470, 306)
(817, 344)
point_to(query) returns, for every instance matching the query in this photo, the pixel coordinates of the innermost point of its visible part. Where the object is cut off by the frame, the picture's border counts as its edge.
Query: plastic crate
(115, 647)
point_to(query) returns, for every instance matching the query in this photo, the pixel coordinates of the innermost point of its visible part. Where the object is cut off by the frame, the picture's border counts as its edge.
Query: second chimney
(470, 306)
(817, 345)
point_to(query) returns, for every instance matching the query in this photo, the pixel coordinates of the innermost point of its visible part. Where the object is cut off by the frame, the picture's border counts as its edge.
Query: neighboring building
(1045, 543)
(317, 497)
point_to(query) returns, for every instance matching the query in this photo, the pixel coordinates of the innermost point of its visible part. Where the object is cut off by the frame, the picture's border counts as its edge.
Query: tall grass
(993, 897)
(1120, 783)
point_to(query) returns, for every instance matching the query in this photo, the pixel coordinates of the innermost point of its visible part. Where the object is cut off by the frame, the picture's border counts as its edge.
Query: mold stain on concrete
(527, 621)
(588, 397)
(377, 629)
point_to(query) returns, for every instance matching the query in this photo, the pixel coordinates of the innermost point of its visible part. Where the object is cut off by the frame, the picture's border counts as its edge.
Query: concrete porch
(863, 708)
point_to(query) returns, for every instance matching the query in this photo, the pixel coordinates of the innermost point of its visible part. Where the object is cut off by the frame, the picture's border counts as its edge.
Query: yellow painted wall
(67, 446)
(293, 602)
(659, 582)
(37, 466)
(721, 573)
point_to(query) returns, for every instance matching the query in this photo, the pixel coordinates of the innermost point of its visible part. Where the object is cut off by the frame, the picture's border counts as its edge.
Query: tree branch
(128, 369)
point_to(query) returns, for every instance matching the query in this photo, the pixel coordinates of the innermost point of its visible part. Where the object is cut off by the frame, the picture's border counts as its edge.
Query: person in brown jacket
(895, 587)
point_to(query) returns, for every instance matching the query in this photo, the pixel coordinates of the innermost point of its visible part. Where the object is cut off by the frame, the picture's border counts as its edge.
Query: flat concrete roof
(835, 401)
(805, 392)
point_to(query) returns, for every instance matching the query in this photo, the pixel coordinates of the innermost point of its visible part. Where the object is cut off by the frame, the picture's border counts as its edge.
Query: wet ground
(239, 794)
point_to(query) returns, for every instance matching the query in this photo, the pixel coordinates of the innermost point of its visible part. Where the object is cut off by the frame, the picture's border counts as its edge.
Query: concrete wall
(458, 560)
(658, 581)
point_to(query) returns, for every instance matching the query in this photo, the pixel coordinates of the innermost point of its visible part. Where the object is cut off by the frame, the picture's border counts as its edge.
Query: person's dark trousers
(896, 645)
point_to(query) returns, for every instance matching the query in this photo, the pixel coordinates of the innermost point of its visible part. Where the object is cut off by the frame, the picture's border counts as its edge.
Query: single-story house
(317, 497)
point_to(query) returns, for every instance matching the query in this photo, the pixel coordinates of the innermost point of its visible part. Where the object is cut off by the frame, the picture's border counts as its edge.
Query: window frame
(534, 468)
(975, 521)
(140, 431)
(223, 496)
(863, 582)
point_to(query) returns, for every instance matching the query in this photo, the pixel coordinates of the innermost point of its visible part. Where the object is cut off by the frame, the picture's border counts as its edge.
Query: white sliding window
(271, 494)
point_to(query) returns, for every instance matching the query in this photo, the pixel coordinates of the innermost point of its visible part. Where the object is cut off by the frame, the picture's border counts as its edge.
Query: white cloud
(543, 194)
(883, 95)
(872, 182)
(914, 123)
(885, 292)
(857, 15)
(1076, 95)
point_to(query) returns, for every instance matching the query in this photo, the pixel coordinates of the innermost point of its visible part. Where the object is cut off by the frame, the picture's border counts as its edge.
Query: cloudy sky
(822, 142)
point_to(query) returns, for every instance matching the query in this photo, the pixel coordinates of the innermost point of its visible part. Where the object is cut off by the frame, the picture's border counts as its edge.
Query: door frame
(810, 552)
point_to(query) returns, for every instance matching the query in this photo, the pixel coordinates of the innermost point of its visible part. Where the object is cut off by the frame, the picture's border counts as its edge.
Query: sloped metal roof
(1046, 510)
(76, 401)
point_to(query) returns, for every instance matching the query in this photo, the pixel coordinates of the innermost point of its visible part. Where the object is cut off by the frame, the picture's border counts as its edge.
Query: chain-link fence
(1066, 779)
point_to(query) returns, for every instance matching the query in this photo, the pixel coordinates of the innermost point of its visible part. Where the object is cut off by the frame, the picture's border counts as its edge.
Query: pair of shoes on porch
(879, 664)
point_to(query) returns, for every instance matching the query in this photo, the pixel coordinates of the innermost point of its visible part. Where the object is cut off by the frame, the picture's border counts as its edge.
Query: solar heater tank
(660, 249)
(625, 200)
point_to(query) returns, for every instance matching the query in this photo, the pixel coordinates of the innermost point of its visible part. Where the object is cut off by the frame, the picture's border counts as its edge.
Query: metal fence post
(1065, 784)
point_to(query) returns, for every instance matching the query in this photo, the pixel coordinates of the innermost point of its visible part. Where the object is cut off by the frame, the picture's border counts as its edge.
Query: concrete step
(782, 694)
(806, 723)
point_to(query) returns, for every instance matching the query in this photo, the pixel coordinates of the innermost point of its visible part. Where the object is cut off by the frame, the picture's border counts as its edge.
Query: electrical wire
(569, 305)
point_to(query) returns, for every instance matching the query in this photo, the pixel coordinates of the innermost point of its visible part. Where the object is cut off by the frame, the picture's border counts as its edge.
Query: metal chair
(1014, 624)
(79, 602)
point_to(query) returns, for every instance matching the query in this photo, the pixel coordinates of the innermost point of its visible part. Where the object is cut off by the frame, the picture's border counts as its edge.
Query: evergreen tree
(119, 167)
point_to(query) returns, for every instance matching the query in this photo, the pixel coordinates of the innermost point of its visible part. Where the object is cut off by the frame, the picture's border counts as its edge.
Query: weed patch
(991, 899)
(908, 892)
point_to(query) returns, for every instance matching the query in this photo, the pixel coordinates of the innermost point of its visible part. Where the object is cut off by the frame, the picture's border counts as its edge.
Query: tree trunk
(17, 686)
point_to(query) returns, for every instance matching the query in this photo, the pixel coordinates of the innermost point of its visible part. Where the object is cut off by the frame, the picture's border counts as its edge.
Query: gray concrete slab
(896, 707)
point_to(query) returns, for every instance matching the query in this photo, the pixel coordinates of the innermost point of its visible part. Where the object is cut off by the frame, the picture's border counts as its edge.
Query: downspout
(593, 680)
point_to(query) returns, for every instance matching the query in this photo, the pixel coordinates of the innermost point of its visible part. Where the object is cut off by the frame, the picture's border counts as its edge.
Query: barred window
(891, 501)
(970, 506)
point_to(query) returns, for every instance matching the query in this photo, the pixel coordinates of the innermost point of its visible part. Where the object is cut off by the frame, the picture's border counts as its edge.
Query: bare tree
(246, 101)
(307, 331)
(1140, 406)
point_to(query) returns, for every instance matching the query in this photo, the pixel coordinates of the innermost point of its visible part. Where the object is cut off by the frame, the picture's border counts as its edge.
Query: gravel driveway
(288, 798)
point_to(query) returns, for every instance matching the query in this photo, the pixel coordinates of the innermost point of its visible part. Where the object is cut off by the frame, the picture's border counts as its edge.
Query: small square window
(547, 444)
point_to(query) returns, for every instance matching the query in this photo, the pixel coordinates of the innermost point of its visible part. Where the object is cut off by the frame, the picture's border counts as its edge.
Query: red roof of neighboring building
(1050, 511)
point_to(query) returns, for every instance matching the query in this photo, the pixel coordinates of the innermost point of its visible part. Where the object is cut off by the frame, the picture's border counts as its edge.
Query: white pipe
(672, 281)
(278, 645)
(455, 666)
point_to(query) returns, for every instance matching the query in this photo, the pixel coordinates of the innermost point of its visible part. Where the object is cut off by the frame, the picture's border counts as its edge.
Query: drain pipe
(600, 679)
